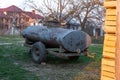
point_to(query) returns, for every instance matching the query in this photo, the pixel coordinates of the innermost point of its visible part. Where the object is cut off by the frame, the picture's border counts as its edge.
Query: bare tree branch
(66, 10)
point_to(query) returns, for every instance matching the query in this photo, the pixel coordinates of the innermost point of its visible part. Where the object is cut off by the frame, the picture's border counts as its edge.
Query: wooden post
(117, 55)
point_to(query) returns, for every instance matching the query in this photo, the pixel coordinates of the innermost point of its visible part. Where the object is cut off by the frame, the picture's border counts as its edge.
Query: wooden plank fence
(108, 59)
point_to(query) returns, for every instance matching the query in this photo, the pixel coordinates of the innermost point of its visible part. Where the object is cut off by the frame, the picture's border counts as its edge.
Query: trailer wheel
(38, 52)
(73, 57)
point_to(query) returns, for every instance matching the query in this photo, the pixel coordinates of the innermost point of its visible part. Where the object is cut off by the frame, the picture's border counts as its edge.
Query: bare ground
(63, 71)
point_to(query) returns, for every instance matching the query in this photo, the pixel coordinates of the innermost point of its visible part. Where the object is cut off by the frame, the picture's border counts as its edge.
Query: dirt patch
(77, 71)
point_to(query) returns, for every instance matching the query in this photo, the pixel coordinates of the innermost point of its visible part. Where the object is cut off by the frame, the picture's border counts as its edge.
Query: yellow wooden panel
(110, 23)
(108, 43)
(106, 78)
(111, 12)
(109, 55)
(109, 49)
(110, 37)
(110, 29)
(109, 4)
(108, 62)
(109, 0)
(108, 68)
(113, 18)
(108, 74)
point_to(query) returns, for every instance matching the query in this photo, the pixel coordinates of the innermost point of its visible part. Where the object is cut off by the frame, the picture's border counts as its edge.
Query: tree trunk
(96, 35)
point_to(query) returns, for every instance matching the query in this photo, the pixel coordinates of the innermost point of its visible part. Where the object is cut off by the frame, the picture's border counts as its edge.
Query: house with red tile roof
(12, 8)
(33, 18)
(15, 18)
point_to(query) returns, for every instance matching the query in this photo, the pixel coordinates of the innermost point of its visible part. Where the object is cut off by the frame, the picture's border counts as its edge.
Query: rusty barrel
(70, 40)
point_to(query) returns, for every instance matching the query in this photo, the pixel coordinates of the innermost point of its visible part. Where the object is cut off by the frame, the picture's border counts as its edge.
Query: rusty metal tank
(70, 40)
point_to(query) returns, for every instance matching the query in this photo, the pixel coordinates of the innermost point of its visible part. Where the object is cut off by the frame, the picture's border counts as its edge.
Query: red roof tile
(2, 9)
(16, 9)
(38, 16)
(13, 9)
(30, 14)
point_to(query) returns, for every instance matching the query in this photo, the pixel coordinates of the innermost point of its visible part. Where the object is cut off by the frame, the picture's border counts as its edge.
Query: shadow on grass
(55, 60)
(82, 59)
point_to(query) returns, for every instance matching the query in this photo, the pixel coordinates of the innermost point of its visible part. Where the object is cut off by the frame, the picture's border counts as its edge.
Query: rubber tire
(28, 41)
(73, 58)
(38, 52)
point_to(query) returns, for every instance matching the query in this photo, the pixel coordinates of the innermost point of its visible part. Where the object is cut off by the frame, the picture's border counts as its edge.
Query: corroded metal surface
(70, 40)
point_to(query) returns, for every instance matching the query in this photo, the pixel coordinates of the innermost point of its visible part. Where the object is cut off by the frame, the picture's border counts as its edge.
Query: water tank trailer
(65, 43)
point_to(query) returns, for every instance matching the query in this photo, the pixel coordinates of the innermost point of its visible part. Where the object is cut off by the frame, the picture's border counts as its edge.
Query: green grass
(10, 39)
(9, 68)
(100, 40)
(11, 71)
(16, 64)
